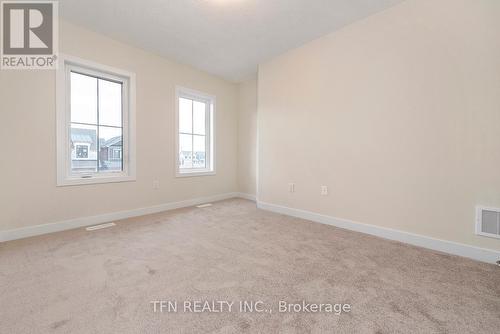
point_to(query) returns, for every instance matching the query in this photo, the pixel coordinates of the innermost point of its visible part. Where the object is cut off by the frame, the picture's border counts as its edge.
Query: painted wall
(247, 136)
(398, 114)
(28, 192)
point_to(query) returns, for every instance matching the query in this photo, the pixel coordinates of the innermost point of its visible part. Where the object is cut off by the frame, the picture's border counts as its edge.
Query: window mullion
(98, 144)
(192, 133)
(123, 117)
(95, 124)
(207, 136)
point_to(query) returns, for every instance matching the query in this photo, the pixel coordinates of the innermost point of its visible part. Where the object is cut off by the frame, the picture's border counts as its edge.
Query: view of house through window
(96, 134)
(194, 142)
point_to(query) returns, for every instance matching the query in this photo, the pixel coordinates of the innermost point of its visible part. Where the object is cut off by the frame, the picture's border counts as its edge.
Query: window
(195, 133)
(95, 116)
(82, 151)
(116, 153)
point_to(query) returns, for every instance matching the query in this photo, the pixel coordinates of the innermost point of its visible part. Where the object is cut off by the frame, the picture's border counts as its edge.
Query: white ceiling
(228, 38)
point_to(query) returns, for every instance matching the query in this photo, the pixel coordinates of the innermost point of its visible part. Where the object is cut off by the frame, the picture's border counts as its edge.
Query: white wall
(247, 136)
(28, 192)
(399, 114)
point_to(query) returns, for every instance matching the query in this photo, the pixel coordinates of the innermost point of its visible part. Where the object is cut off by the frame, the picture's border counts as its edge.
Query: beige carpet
(103, 281)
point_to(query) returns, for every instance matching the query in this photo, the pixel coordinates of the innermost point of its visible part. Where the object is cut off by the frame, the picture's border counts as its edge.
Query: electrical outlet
(156, 184)
(291, 187)
(324, 190)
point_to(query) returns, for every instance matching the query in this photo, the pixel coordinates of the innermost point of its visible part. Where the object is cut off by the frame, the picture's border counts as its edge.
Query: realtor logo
(29, 32)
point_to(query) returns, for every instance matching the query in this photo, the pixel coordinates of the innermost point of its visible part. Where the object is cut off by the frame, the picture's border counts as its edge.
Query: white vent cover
(488, 222)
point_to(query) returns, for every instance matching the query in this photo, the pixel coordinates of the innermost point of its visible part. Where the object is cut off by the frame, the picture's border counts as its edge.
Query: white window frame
(65, 177)
(210, 157)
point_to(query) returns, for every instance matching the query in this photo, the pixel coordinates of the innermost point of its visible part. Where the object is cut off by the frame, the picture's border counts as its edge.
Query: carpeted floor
(104, 281)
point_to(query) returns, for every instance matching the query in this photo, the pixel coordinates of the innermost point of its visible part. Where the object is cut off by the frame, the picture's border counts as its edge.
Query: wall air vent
(488, 222)
(100, 227)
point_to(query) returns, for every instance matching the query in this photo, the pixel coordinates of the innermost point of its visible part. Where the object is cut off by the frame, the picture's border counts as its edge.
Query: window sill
(194, 173)
(75, 181)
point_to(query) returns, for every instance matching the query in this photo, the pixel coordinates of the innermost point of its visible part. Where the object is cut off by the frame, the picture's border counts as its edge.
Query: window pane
(185, 115)
(83, 99)
(110, 103)
(185, 151)
(199, 151)
(83, 143)
(110, 149)
(199, 117)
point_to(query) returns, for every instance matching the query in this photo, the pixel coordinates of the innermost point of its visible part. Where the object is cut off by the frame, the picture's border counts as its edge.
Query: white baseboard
(472, 252)
(476, 253)
(249, 197)
(31, 231)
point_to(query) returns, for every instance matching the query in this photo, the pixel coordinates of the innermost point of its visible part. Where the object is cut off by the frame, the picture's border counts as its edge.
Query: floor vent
(204, 205)
(99, 227)
(488, 222)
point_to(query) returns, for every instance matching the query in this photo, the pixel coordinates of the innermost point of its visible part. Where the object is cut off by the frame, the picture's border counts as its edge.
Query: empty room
(250, 166)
